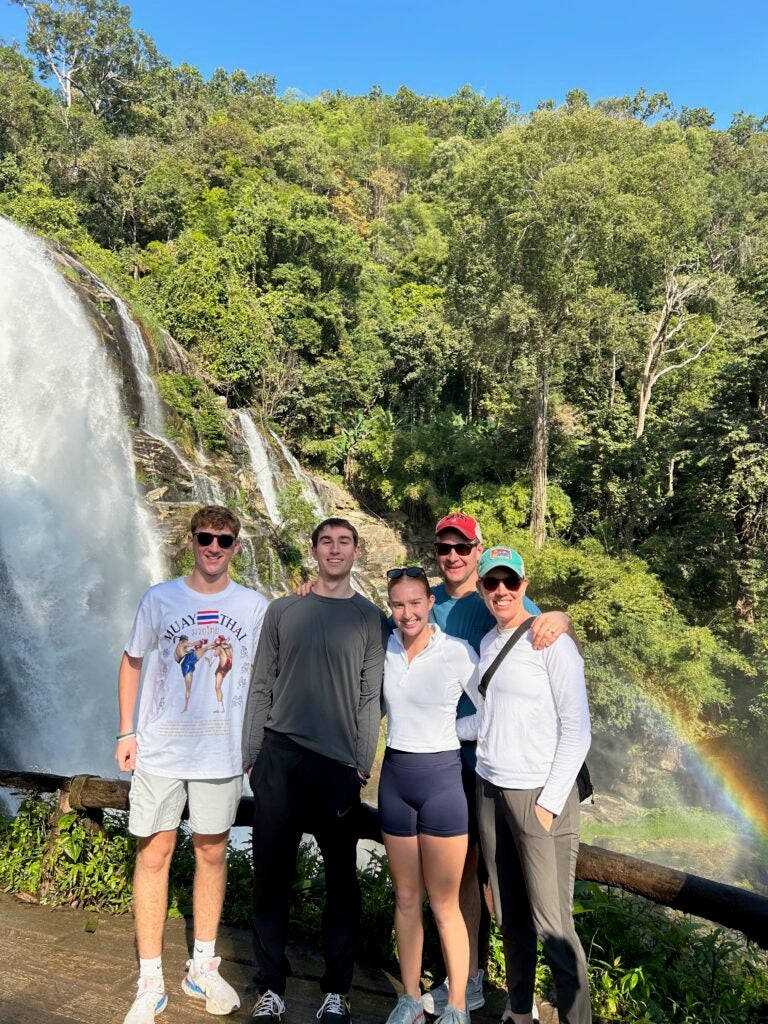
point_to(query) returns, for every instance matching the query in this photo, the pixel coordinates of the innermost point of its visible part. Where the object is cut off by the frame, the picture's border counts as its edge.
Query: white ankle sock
(202, 952)
(153, 970)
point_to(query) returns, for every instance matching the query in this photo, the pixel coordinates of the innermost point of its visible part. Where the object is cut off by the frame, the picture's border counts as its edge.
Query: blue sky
(701, 54)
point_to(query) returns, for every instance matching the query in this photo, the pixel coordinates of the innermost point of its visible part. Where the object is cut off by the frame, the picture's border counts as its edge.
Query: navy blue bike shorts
(422, 794)
(469, 781)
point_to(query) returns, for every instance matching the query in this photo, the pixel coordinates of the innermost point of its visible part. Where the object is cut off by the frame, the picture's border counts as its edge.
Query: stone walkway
(63, 966)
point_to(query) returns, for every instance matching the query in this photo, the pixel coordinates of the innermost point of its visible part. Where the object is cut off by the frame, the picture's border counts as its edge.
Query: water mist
(76, 545)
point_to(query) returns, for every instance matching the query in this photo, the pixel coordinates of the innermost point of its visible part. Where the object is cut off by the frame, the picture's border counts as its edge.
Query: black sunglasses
(205, 539)
(413, 572)
(491, 583)
(463, 549)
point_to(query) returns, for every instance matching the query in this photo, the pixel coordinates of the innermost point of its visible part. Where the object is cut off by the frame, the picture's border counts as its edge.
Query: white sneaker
(436, 1000)
(220, 998)
(507, 1014)
(149, 1002)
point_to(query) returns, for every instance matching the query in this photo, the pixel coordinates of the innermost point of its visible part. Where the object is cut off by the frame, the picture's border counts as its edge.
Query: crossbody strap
(489, 672)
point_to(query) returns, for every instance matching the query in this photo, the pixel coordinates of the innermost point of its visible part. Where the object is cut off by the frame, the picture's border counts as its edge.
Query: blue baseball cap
(501, 558)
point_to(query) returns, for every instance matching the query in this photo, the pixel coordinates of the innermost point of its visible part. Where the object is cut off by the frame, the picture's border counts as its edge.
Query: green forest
(554, 319)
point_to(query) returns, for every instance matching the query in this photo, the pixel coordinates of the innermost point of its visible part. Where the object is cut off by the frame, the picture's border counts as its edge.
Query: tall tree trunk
(540, 452)
(671, 477)
(644, 400)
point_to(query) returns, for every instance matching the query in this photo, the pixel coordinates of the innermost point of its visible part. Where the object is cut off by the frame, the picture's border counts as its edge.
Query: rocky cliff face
(175, 479)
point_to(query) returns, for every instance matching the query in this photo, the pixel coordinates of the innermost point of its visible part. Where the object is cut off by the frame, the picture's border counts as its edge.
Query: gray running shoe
(407, 1011)
(436, 1000)
(452, 1015)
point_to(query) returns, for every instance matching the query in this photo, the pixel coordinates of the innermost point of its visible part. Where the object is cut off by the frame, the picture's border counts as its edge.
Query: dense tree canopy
(558, 319)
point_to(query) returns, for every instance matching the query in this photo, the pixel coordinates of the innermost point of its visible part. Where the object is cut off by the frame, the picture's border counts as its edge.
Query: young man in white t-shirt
(186, 747)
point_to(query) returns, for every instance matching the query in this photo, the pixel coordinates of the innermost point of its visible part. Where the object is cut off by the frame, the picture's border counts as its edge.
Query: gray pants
(532, 873)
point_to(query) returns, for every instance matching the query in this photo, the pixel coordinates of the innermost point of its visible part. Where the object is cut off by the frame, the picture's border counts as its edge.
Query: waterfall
(307, 484)
(205, 490)
(153, 420)
(264, 466)
(250, 571)
(76, 545)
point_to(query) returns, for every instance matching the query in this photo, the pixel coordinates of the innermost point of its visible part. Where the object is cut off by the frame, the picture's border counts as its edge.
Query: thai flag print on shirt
(198, 651)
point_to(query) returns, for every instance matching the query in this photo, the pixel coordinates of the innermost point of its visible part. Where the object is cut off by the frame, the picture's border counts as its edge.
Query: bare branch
(685, 362)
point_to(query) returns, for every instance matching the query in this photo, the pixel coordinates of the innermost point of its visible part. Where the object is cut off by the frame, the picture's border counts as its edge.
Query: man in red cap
(460, 611)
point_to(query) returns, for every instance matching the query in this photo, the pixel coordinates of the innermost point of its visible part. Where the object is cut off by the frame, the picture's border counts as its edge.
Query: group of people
(487, 727)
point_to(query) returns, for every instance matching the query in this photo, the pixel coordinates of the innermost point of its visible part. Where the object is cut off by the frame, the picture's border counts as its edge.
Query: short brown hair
(334, 521)
(217, 517)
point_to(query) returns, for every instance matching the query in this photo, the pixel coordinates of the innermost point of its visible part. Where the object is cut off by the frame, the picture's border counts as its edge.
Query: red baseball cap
(463, 524)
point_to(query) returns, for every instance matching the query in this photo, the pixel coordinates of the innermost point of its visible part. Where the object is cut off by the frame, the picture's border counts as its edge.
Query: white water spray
(264, 466)
(153, 420)
(76, 546)
(307, 484)
(205, 490)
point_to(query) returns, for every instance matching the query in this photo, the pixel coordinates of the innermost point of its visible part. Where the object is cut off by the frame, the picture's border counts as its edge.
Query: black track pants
(296, 790)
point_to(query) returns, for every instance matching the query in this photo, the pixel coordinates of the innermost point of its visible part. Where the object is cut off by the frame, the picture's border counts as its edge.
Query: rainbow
(744, 794)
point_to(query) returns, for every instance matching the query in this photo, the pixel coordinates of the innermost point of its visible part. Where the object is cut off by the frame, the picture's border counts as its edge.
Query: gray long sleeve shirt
(317, 678)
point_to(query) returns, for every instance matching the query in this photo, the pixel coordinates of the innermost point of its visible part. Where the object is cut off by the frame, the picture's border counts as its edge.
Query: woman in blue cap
(533, 735)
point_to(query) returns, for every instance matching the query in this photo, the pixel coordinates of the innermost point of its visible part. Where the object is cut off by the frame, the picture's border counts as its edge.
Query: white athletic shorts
(157, 803)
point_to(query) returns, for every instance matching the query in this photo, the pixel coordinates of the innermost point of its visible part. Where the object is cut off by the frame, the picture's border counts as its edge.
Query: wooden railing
(726, 905)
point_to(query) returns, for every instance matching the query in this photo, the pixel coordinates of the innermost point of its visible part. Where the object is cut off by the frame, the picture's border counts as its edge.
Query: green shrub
(298, 520)
(647, 965)
(650, 965)
(198, 416)
(77, 865)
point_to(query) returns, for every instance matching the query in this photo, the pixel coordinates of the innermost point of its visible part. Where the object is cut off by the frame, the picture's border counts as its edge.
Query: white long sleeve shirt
(534, 727)
(420, 696)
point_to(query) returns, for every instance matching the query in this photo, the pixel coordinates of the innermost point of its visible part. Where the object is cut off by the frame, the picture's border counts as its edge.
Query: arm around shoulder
(549, 626)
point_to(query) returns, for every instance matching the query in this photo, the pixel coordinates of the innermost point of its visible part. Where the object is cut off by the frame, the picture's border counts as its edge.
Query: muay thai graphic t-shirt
(198, 650)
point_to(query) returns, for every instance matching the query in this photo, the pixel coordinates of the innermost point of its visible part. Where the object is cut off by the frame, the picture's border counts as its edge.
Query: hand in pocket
(545, 817)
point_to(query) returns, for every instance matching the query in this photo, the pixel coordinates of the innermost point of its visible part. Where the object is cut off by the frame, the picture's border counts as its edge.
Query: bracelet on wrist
(124, 735)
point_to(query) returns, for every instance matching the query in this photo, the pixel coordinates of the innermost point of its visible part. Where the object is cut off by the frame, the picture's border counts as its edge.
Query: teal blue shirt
(467, 618)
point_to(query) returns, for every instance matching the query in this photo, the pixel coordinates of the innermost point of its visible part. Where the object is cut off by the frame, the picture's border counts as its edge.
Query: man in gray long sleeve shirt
(310, 731)
(317, 678)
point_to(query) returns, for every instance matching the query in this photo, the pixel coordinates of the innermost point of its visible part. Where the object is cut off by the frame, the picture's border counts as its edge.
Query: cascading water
(307, 484)
(265, 469)
(152, 418)
(76, 545)
(205, 490)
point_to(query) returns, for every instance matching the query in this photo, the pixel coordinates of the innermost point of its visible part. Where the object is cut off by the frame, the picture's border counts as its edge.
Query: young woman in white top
(533, 735)
(422, 806)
